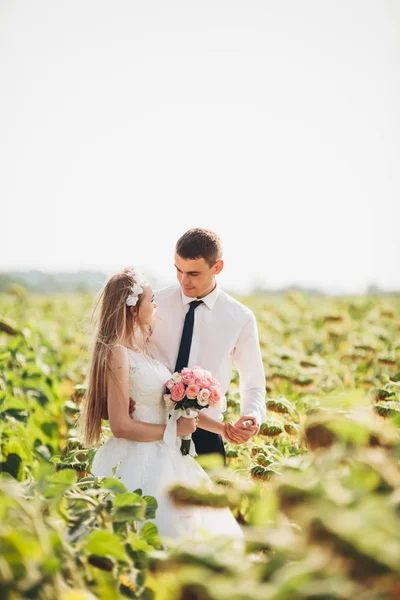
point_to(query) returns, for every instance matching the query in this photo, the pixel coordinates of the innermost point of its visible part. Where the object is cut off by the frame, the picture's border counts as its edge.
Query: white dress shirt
(224, 331)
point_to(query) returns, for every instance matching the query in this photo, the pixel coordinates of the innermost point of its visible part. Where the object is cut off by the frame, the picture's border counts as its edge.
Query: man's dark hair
(199, 243)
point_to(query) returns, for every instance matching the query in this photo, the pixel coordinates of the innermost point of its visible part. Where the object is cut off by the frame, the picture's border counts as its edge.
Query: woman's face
(147, 307)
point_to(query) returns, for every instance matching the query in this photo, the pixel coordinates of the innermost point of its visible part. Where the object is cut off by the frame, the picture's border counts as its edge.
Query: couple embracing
(142, 338)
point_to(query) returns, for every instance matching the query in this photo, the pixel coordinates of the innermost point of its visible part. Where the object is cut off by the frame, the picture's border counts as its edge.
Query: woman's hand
(240, 435)
(186, 426)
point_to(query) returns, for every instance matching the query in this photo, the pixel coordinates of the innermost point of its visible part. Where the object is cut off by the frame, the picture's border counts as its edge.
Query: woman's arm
(122, 426)
(210, 424)
(223, 429)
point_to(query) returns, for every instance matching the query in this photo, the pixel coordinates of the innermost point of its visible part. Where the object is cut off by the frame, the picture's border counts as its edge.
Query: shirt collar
(208, 300)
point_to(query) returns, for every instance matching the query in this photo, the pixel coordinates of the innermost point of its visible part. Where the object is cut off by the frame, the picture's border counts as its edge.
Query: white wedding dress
(154, 466)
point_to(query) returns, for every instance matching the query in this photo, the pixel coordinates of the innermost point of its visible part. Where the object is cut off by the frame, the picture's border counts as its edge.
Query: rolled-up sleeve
(248, 361)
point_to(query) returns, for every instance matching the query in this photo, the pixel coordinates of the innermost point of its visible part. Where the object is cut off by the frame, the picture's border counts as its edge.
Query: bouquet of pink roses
(189, 391)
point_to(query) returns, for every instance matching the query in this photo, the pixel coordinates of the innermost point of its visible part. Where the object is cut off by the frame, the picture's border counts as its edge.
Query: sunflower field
(317, 491)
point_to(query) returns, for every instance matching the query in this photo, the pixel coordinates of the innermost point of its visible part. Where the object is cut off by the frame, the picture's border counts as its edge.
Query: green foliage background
(317, 491)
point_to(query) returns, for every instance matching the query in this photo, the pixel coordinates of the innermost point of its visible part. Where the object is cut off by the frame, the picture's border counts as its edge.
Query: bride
(120, 369)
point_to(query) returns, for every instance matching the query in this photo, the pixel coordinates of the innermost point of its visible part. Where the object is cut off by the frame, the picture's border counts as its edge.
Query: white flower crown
(138, 281)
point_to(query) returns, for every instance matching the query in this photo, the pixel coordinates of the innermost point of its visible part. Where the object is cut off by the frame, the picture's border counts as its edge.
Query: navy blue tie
(187, 334)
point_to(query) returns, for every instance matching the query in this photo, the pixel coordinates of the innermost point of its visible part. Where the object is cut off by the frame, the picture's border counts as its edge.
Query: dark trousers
(208, 443)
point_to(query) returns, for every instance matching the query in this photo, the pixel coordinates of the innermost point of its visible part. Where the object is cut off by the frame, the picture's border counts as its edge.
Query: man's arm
(248, 361)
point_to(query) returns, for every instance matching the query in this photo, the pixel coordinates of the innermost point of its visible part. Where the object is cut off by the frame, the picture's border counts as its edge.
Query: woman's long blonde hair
(114, 322)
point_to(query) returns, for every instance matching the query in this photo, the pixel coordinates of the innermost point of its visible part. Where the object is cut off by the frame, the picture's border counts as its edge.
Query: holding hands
(241, 431)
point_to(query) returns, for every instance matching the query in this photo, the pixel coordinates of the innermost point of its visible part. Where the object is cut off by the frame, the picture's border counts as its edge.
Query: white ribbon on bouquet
(170, 433)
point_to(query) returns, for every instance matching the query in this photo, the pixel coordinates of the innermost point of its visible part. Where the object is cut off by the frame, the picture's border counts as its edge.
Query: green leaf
(151, 507)
(17, 446)
(12, 466)
(127, 507)
(149, 533)
(10, 402)
(66, 477)
(138, 544)
(104, 543)
(50, 429)
(114, 484)
(116, 467)
(20, 544)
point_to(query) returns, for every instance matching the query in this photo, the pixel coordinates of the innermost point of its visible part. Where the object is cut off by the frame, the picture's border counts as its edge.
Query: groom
(197, 323)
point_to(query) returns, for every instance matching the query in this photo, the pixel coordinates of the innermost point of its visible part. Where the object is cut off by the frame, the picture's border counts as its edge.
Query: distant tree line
(90, 282)
(38, 282)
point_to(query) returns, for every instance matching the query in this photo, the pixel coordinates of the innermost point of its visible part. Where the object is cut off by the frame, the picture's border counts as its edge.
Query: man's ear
(219, 265)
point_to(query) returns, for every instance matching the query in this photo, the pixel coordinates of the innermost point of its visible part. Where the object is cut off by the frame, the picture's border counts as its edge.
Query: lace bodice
(147, 378)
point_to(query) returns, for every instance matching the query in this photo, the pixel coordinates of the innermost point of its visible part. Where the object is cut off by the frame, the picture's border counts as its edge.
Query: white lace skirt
(153, 467)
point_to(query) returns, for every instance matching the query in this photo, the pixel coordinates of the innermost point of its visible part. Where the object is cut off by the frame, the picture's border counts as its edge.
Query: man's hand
(247, 423)
(132, 405)
(241, 431)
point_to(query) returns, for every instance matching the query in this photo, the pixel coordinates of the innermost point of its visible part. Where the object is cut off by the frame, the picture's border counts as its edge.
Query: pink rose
(170, 384)
(203, 397)
(178, 392)
(214, 381)
(192, 391)
(203, 382)
(187, 377)
(214, 396)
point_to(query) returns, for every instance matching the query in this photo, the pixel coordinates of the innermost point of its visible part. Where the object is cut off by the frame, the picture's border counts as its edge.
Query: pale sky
(275, 123)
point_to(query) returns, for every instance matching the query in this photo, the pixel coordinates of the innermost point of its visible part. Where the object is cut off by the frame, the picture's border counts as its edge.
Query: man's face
(196, 277)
